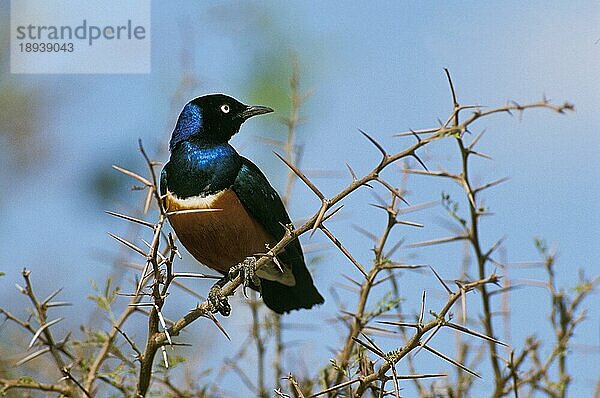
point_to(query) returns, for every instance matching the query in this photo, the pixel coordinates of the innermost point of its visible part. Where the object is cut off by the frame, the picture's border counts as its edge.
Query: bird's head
(213, 118)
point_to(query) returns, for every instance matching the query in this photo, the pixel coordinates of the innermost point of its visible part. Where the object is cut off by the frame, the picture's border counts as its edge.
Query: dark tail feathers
(281, 298)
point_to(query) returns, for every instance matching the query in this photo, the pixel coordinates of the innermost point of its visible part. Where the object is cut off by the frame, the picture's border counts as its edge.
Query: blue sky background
(378, 68)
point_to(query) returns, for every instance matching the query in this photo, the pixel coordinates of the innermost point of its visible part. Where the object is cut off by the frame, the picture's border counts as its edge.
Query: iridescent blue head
(212, 119)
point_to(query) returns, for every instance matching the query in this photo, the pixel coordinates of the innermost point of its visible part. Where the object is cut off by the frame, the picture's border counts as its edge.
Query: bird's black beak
(254, 111)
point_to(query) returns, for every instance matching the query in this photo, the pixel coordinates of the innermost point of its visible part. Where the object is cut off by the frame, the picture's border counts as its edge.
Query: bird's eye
(225, 108)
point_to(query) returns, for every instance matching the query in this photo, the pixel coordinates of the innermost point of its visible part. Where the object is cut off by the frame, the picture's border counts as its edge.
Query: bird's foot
(247, 271)
(218, 302)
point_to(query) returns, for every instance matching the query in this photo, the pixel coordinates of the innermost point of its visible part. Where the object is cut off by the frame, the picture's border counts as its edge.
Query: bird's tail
(281, 298)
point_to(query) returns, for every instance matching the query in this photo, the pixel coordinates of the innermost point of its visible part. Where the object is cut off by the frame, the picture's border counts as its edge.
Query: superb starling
(206, 172)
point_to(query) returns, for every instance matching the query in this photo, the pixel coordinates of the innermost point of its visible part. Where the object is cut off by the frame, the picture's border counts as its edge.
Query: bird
(205, 172)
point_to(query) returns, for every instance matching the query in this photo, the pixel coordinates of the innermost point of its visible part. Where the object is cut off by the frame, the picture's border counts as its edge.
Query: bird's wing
(260, 199)
(264, 204)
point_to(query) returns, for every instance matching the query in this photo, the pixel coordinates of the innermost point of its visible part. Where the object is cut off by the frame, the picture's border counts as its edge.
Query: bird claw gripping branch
(247, 271)
(218, 302)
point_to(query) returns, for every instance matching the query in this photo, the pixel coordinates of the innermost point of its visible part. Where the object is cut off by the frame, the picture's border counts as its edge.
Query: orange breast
(218, 239)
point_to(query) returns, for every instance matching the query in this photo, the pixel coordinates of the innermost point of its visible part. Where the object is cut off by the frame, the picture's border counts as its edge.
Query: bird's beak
(254, 111)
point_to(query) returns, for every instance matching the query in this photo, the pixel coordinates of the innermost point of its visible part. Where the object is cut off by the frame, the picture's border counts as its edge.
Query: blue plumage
(196, 168)
(188, 124)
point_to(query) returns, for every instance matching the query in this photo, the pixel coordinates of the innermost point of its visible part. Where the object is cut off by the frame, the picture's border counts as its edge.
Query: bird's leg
(247, 271)
(218, 302)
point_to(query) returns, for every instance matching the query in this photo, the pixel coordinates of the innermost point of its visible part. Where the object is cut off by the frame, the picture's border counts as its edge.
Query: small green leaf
(540, 245)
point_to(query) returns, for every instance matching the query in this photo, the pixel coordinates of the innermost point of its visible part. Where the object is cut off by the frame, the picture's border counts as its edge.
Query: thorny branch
(158, 339)
(80, 377)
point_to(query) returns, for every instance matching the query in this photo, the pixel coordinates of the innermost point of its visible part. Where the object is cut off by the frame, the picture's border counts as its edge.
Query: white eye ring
(225, 108)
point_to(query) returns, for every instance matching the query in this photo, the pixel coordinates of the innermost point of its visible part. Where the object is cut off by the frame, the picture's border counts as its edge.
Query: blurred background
(378, 68)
